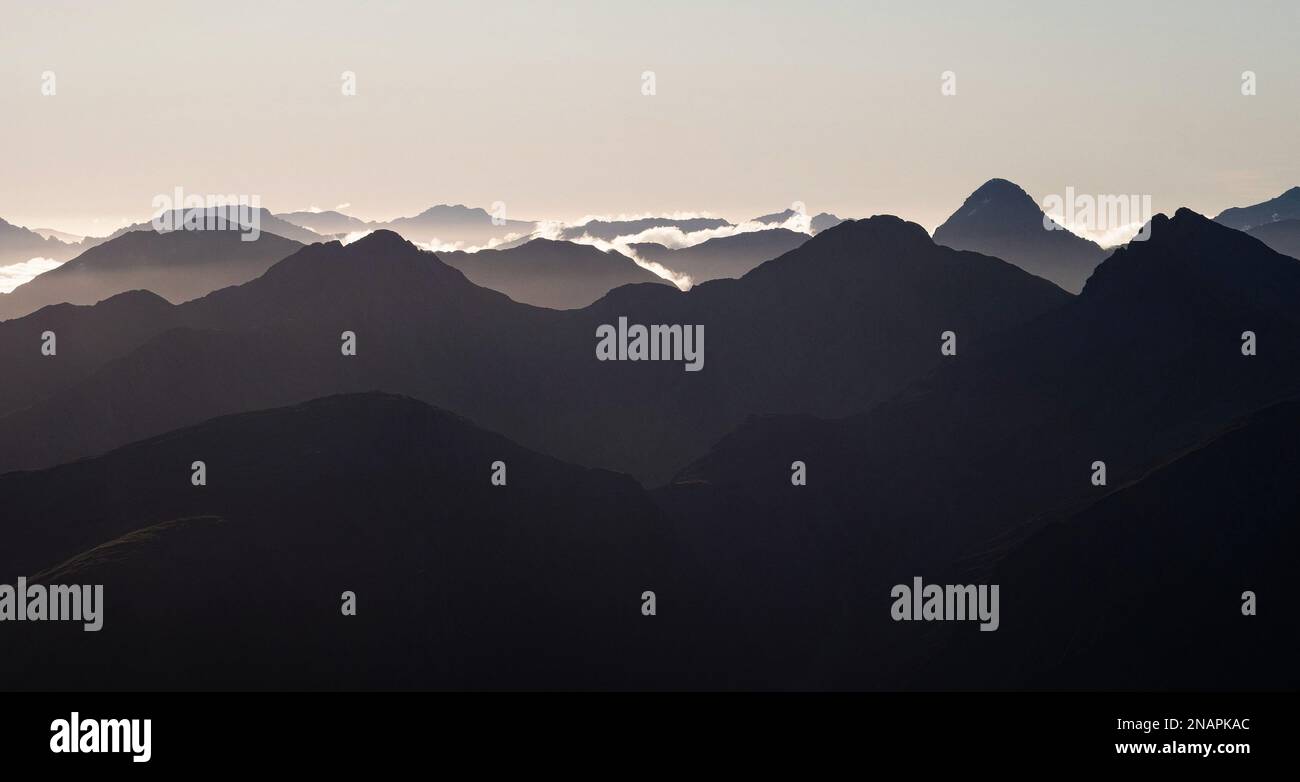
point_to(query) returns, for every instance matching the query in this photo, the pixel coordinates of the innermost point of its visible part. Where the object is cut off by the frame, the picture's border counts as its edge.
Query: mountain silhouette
(609, 230)
(62, 236)
(325, 223)
(817, 223)
(1002, 220)
(238, 584)
(723, 256)
(878, 290)
(179, 265)
(102, 332)
(1244, 218)
(228, 218)
(823, 220)
(776, 218)
(1283, 236)
(458, 224)
(18, 244)
(547, 273)
(1158, 566)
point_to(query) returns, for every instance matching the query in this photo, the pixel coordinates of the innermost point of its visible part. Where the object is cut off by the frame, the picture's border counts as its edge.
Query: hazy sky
(539, 105)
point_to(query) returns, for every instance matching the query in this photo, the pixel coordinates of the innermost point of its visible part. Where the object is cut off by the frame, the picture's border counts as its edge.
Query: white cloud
(1109, 237)
(436, 245)
(671, 237)
(622, 218)
(16, 274)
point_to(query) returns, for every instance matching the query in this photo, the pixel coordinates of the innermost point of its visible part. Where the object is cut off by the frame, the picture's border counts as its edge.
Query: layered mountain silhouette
(238, 584)
(878, 290)
(325, 223)
(1283, 236)
(1145, 365)
(18, 244)
(1244, 218)
(973, 468)
(230, 218)
(179, 265)
(547, 273)
(609, 230)
(1002, 220)
(723, 256)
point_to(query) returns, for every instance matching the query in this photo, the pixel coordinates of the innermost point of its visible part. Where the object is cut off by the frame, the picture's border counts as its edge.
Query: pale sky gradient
(538, 105)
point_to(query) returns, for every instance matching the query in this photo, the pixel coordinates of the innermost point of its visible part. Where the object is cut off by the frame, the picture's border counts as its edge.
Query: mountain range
(1175, 366)
(877, 289)
(1244, 218)
(722, 256)
(18, 244)
(609, 230)
(1144, 366)
(326, 223)
(230, 219)
(1283, 236)
(548, 273)
(817, 223)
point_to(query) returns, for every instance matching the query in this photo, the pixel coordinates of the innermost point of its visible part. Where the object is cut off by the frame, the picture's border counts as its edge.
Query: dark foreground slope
(1143, 590)
(238, 583)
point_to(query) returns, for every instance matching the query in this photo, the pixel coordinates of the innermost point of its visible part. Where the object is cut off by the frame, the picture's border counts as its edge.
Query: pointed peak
(999, 201)
(876, 228)
(382, 240)
(996, 186)
(1188, 244)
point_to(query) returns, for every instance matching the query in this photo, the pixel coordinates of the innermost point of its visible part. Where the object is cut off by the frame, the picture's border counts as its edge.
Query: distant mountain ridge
(1282, 235)
(456, 224)
(179, 265)
(724, 256)
(547, 273)
(609, 230)
(1244, 218)
(817, 223)
(325, 223)
(230, 218)
(18, 244)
